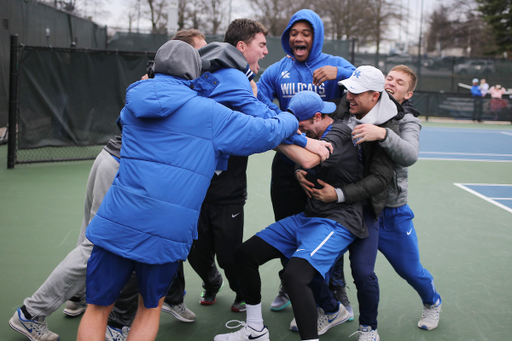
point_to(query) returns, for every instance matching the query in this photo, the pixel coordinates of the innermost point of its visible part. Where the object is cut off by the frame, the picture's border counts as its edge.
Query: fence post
(13, 102)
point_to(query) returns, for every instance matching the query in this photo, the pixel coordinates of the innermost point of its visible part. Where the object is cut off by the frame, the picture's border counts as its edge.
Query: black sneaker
(208, 297)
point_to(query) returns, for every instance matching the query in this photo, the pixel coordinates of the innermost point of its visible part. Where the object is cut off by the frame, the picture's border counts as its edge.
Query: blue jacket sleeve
(235, 92)
(266, 90)
(345, 69)
(298, 139)
(237, 134)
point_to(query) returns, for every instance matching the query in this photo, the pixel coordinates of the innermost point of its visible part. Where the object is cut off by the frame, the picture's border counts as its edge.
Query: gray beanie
(178, 59)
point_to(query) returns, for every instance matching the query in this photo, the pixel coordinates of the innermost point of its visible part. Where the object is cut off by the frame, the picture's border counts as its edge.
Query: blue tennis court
(466, 144)
(499, 195)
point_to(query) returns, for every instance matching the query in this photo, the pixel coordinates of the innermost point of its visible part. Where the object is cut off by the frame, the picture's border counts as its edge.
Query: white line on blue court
(448, 159)
(506, 133)
(463, 186)
(458, 153)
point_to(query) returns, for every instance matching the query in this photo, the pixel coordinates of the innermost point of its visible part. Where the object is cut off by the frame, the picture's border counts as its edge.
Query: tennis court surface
(460, 191)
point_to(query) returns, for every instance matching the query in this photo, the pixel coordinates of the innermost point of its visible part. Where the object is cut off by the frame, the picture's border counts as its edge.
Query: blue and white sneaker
(430, 316)
(366, 333)
(114, 334)
(326, 321)
(35, 330)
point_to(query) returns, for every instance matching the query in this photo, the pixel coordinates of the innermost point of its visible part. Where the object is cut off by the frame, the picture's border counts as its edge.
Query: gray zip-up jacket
(403, 150)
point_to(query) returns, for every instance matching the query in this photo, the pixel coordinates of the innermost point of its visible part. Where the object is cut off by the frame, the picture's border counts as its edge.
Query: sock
(254, 316)
(25, 313)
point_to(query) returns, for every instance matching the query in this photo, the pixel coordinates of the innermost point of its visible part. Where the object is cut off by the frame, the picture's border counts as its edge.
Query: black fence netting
(461, 106)
(69, 99)
(38, 24)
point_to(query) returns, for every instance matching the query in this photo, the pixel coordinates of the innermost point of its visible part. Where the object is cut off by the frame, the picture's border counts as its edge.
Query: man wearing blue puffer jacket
(305, 68)
(172, 139)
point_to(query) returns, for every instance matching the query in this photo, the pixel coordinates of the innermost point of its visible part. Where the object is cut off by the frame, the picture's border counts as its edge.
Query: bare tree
(193, 14)
(380, 15)
(442, 30)
(346, 18)
(460, 25)
(157, 13)
(214, 11)
(182, 11)
(275, 14)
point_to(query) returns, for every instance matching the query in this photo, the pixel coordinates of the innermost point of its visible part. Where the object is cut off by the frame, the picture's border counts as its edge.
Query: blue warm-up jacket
(285, 78)
(172, 138)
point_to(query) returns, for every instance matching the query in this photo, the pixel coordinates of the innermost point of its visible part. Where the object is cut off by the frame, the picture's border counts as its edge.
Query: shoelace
(41, 327)
(369, 336)
(239, 324)
(430, 312)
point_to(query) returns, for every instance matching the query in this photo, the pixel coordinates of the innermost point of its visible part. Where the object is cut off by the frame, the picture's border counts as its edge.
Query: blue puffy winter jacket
(172, 138)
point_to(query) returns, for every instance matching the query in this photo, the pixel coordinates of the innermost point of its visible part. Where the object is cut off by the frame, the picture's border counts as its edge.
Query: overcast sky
(118, 16)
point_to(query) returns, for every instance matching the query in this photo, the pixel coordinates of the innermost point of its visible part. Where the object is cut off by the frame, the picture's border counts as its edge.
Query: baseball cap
(306, 104)
(364, 78)
(475, 80)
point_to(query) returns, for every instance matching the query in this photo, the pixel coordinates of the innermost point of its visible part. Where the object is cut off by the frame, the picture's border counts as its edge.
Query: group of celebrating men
(173, 186)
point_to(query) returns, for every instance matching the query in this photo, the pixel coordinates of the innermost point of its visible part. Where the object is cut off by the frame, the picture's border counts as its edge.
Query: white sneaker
(326, 321)
(35, 330)
(246, 333)
(114, 334)
(430, 317)
(367, 334)
(75, 308)
(180, 311)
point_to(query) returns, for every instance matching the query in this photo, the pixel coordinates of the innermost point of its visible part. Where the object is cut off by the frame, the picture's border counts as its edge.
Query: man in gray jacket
(397, 237)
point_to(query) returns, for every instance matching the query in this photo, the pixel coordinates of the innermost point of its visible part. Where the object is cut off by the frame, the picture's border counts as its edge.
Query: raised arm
(403, 149)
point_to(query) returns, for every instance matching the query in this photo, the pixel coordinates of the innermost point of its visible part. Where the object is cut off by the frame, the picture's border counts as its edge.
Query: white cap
(475, 80)
(364, 78)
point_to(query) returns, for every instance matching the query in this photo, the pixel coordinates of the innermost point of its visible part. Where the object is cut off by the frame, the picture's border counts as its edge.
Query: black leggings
(298, 273)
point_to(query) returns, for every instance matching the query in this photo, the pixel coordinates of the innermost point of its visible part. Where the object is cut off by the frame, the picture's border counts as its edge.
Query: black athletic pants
(298, 273)
(288, 198)
(220, 230)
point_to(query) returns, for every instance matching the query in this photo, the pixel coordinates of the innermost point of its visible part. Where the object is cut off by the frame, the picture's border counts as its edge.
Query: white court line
(468, 130)
(506, 133)
(483, 196)
(504, 199)
(456, 153)
(448, 159)
(486, 185)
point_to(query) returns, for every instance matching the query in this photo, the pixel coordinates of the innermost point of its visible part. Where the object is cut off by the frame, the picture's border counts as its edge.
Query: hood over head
(318, 33)
(219, 55)
(179, 59)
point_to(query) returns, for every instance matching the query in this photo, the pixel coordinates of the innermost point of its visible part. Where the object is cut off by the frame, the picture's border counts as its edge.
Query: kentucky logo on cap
(364, 78)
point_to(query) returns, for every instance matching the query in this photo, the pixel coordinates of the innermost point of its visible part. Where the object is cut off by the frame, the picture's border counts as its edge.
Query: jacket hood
(318, 33)
(385, 109)
(218, 55)
(178, 59)
(147, 99)
(409, 108)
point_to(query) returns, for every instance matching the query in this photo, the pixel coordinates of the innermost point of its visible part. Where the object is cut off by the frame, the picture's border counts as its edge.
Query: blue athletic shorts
(107, 273)
(317, 240)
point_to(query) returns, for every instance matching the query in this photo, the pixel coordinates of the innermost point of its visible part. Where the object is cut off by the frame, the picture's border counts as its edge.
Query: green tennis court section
(460, 191)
